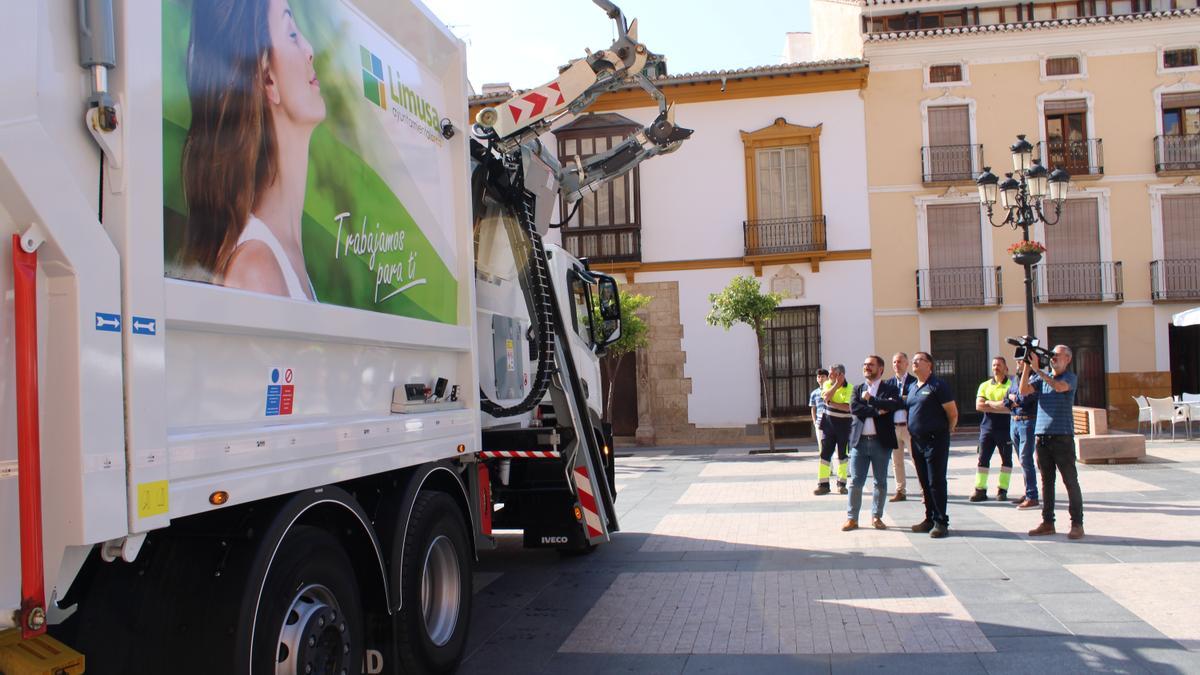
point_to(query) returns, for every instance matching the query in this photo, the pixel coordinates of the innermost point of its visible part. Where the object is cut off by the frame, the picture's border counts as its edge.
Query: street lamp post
(1022, 194)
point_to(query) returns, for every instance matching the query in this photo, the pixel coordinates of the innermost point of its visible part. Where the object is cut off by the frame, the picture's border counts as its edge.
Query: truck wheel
(309, 617)
(435, 579)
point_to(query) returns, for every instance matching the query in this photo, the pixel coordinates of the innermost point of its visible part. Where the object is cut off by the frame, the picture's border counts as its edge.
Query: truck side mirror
(610, 309)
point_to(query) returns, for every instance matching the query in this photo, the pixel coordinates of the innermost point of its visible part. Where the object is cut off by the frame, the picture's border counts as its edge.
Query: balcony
(604, 244)
(775, 236)
(950, 163)
(958, 287)
(1175, 279)
(1176, 152)
(1081, 158)
(1086, 282)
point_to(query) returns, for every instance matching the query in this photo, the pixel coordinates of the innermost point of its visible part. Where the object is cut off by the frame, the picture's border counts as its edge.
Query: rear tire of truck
(435, 573)
(310, 612)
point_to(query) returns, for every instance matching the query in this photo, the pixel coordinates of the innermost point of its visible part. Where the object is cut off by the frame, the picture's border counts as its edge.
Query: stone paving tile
(747, 531)
(795, 467)
(1163, 595)
(789, 612)
(759, 492)
(1106, 521)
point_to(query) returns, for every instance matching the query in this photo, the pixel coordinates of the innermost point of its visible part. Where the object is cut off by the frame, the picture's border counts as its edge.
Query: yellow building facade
(1108, 90)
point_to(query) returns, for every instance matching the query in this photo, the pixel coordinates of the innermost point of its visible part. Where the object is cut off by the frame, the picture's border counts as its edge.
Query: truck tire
(310, 612)
(435, 579)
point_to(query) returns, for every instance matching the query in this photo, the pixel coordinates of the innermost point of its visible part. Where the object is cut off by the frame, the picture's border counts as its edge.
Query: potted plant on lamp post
(1026, 252)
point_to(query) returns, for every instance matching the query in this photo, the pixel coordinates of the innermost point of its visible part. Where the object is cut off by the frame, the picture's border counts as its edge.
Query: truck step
(41, 655)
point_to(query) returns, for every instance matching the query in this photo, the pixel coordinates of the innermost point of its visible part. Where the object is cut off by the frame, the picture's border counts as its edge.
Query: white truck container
(254, 355)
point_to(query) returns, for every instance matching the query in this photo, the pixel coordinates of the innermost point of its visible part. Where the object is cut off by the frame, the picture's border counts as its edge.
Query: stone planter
(1028, 258)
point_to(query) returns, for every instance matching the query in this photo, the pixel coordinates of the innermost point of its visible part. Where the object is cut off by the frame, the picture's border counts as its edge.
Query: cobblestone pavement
(727, 563)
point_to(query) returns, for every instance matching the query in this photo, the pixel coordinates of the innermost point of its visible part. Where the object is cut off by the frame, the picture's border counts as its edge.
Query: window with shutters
(1067, 143)
(605, 225)
(1062, 66)
(1178, 149)
(783, 190)
(946, 72)
(1072, 269)
(1180, 58)
(950, 155)
(1179, 271)
(956, 275)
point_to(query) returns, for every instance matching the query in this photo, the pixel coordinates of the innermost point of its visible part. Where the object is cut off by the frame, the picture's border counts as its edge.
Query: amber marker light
(462, 448)
(218, 498)
(578, 513)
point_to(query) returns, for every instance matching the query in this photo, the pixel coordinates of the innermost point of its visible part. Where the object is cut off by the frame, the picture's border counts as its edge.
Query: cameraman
(1055, 433)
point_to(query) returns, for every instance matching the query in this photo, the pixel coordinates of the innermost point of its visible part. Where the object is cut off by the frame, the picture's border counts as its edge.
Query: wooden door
(963, 361)
(1067, 142)
(1087, 345)
(624, 413)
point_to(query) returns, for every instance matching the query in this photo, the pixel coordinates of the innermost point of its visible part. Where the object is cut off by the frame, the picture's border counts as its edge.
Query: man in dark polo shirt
(1054, 432)
(932, 417)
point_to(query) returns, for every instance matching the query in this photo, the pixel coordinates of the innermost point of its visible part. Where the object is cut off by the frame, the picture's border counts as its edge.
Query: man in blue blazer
(872, 440)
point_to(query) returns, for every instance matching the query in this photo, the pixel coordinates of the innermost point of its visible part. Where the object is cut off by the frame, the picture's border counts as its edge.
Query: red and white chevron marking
(532, 104)
(524, 454)
(587, 500)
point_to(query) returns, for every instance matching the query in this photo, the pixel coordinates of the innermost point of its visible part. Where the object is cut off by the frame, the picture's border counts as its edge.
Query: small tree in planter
(634, 336)
(743, 301)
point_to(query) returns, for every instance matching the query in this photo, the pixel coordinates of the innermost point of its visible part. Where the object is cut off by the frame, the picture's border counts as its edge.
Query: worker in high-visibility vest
(835, 424)
(994, 431)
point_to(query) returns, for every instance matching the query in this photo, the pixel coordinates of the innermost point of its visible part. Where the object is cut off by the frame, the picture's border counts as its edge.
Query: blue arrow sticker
(144, 326)
(108, 322)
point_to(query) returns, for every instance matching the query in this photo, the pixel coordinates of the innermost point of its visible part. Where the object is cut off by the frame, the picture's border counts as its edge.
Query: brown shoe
(898, 497)
(923, 526)
(1076, 532)
(1043, 529)
(877, 523)
(1028, 503)
(851, 524)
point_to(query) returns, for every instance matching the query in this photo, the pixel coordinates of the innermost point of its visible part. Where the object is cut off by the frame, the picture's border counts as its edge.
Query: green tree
(743, 301)
(634, 336)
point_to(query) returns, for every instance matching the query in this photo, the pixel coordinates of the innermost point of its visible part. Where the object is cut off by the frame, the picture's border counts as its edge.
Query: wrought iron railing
(1078, 282)
(604, 244)
(947, 163)
(1175, 279)
(1176, 152)
(959, 287)
(784, 235)
(1080, 158)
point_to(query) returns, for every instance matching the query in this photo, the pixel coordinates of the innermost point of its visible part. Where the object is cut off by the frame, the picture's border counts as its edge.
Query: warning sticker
(152, 498)
(281, 392)
(510, 355)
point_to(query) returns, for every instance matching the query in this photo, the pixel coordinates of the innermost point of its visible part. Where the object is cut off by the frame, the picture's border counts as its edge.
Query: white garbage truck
(279, 331)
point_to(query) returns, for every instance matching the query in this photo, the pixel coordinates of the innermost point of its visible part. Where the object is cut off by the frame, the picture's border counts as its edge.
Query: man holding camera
(1055, 436)
(1024, 418)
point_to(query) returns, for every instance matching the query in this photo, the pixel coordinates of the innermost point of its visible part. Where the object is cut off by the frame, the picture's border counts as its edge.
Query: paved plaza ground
(727, 563)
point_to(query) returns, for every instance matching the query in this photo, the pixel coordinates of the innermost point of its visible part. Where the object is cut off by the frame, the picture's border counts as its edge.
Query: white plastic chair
(1164, 410)
(1193, 408)
(1143, 412)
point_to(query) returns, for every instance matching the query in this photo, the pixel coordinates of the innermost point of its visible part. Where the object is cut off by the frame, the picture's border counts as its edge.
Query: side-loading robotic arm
(516, 124)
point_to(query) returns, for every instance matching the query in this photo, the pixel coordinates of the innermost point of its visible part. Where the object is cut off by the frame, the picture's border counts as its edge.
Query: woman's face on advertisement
(292, 85)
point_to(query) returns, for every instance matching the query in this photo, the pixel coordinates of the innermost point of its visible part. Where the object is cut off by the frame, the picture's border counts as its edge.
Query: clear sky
(523, 42)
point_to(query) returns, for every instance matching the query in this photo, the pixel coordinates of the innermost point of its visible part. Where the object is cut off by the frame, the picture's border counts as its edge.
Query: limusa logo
(407, 106)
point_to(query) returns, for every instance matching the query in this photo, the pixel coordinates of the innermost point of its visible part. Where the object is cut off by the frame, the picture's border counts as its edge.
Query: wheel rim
(314, 638)
(441, 587)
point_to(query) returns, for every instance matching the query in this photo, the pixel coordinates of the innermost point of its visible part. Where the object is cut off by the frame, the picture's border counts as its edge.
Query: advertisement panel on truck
(303, 158)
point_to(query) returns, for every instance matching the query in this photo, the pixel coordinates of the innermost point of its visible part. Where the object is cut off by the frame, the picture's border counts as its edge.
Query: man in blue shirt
(932, 416)
(1055, 433)
(1024, 415)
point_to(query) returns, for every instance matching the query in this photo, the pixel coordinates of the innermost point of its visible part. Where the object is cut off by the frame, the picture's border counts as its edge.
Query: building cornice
(1024, 26)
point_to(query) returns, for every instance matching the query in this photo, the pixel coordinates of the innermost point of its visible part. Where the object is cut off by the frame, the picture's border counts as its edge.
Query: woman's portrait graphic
(255, 101)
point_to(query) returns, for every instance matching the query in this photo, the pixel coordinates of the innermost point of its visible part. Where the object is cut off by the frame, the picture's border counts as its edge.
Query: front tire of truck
(310, 617)
(431, 626)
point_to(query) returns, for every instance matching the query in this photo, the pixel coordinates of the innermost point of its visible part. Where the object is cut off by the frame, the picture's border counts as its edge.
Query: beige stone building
(1109, 90)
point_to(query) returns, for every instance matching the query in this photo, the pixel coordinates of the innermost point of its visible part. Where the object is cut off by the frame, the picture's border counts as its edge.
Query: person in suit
(872, 440)
(903, 380)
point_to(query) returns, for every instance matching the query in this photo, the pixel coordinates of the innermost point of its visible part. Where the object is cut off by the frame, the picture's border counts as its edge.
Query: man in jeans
(816, 406)
(1055, 434)
(872, 439)
(1024, 416)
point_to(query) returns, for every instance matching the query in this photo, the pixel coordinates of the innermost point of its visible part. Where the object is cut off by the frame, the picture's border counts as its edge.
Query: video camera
(1026, 345)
